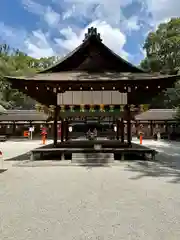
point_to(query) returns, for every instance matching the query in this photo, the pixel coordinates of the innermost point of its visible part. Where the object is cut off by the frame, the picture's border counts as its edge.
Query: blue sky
(43, 28)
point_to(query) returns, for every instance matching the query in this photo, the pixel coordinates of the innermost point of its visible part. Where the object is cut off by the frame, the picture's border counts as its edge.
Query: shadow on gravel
(21, 157)
(91, 165)
(3, 170)
(165, 166)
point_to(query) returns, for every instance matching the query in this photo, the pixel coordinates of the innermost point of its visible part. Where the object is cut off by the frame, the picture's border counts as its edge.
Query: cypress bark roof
(23, 115)
(33, 115)
(93, 55)
(157, 114)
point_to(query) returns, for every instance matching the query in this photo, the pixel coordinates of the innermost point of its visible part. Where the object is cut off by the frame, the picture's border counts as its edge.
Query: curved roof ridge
(86, 41)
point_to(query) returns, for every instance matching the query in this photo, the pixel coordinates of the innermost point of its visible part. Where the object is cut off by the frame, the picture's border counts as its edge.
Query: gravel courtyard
(130, 201)
(47, 203)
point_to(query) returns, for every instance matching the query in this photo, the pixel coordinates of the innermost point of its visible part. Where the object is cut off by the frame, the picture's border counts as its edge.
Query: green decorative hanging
(91, 109)
(111, 108)
(72, 108)
(62, 108)
(82, 108)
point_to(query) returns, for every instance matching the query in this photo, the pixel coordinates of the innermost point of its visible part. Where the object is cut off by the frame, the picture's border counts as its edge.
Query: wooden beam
(55, 125)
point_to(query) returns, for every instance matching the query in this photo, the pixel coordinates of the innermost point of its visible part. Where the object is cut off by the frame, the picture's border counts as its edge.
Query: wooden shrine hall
(93, 81)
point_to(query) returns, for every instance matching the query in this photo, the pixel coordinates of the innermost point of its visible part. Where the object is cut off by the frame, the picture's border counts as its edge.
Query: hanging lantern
(49, 126)
(16, 126)
(111, 108)
(70, 129)
(102, 108)
(72, 108)
(62, 108)
(91, 108)
(82, 109)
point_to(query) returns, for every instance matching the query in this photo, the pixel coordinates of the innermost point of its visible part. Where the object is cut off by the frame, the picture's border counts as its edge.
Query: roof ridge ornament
(92, 31)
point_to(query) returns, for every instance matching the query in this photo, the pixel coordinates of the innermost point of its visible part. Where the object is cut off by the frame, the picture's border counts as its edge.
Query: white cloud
(131, 24)
(38, 45)
(14, 35)
(102, 10)
(46, 13)
(112, 37)
(107, 15)
(162, 10)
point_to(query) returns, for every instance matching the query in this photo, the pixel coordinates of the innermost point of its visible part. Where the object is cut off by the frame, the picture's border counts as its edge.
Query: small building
(15, 122)
(157, 120)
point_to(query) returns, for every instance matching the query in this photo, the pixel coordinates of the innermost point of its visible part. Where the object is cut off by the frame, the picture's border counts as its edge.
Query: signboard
(31, 129)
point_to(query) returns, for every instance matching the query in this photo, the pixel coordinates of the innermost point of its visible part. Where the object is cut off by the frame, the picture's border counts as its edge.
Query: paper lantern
(70, 128)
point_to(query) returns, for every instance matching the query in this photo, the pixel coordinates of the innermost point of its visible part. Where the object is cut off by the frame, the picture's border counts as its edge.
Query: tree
(15, 62)
(163, 55)
(162, 48)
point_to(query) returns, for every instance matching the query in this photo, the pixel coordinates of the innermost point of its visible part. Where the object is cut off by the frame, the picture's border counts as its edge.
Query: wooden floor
(69, 148)
(89, 144)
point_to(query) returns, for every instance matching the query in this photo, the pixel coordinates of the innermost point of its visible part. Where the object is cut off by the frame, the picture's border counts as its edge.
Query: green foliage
(162, 48)
(163, 55)
(16, 63)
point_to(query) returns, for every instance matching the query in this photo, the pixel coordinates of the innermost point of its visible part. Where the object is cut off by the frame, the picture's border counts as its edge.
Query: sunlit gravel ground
(129, 201)
(46, 203)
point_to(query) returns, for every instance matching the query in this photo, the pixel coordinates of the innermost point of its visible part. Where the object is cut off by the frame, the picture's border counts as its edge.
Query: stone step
(92, 158)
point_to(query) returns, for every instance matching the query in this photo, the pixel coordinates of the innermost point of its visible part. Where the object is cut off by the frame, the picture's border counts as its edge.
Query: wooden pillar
(55, 125)
(128, 125)
(62, 130)
(122, 130)
(166, 126)
(66, 127)
(14, 128)
(151, 126)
